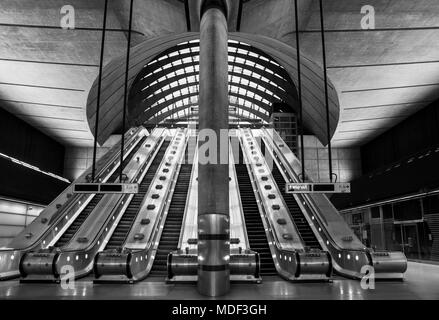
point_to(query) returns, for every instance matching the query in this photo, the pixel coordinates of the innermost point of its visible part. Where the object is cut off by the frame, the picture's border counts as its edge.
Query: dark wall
(417, 133)
(19, 182)
(23, 142)
(421, 174)
(402, 161)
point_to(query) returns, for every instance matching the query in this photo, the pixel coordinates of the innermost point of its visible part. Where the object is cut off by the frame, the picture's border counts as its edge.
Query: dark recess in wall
(417, 133)
(19, 182)
(402, 161)
(23, 142)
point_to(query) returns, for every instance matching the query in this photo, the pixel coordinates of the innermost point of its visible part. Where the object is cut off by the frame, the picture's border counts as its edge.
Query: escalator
(171, 230)
(338, 239)
(124, 226)
(74, 227)
(253, 221)
(299, 219)
(303, 227)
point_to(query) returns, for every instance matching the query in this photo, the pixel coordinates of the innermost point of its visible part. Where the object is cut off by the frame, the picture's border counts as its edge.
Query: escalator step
(296, 214)
(121, 232)
(74, 227)
(171, 230)
(255, 228)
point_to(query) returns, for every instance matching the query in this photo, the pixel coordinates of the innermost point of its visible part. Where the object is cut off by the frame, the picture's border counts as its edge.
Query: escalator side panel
(124, 226)
(74, 227)
(171, 231)
(255, 227)
(296, 213)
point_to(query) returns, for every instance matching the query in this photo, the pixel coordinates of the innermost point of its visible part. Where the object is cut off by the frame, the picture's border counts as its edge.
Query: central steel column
(213, 178)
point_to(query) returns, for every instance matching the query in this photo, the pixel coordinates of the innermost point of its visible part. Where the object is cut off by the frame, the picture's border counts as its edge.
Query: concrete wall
(14, 217)
(346, 162)
(151, 17)
(272, 18)
(78, 159)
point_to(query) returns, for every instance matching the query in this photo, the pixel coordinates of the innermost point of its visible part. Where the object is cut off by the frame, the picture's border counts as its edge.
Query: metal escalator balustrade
(123, 228)
(134, 262)
(171, 231)
(253, 221)
(304, 229)
(349, 255)
(182, 264)
(52, 220)
(74, 227)
(78, 251)
(292, 262)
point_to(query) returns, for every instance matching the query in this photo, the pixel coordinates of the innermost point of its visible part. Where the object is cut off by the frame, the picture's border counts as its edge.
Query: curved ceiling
(383, 76)
(168, 86)
(281, 59)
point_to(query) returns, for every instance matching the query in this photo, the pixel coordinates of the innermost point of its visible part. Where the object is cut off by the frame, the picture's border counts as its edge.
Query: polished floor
(421, 282)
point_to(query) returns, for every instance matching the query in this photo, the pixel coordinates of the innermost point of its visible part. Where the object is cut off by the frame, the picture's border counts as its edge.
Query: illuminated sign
(299, 187)
(318, 188)
(122, 188)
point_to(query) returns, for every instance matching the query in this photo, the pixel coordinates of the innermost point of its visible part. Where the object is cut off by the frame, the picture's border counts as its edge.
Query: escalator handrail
(277, 252)
(231, 158)
(122, 198)
(310, 203)
(188, 198)
(113, 161)
(67, 206)
(155, 230)
(169, 193)
(93, 248)
(262, 208)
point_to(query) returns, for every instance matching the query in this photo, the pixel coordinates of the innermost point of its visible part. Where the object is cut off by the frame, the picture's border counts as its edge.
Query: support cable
(127, 68)
(325, 71)
(98, 101)
(299, 84)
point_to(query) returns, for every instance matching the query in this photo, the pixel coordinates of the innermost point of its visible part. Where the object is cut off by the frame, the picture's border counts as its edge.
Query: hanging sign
(121, 188)
(318, 188)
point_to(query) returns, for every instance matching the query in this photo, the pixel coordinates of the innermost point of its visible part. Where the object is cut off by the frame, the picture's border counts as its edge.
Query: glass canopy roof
(167, 88)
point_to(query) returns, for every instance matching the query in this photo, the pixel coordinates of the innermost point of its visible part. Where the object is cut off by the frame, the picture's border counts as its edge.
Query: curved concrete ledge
(112, 91)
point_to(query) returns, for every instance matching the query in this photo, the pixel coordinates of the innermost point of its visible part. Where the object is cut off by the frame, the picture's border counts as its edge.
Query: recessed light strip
(27, 165)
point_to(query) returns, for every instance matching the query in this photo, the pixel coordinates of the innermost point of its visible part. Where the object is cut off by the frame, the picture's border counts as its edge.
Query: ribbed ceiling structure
(167, 88)
(382, 76)
(269, 66)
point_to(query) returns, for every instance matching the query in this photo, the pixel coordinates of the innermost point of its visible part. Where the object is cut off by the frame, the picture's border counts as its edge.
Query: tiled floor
(422, 282)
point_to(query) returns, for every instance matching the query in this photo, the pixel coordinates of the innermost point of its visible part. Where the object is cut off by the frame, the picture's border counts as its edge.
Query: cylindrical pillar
(213, 175)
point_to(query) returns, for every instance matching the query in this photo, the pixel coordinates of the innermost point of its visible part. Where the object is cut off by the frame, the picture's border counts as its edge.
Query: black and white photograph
(219, 158)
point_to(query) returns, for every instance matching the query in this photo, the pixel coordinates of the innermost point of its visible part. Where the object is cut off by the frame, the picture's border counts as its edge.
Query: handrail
(238, 194)
(82, 257)
(151, 238)
(338, 253)
(262, 208)
(74, 200)
(137, 267)
(169, 193)
(186, 208)
(78, 199)
(311, 204)
(292, 263)
(124, 199)
(11, 257)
